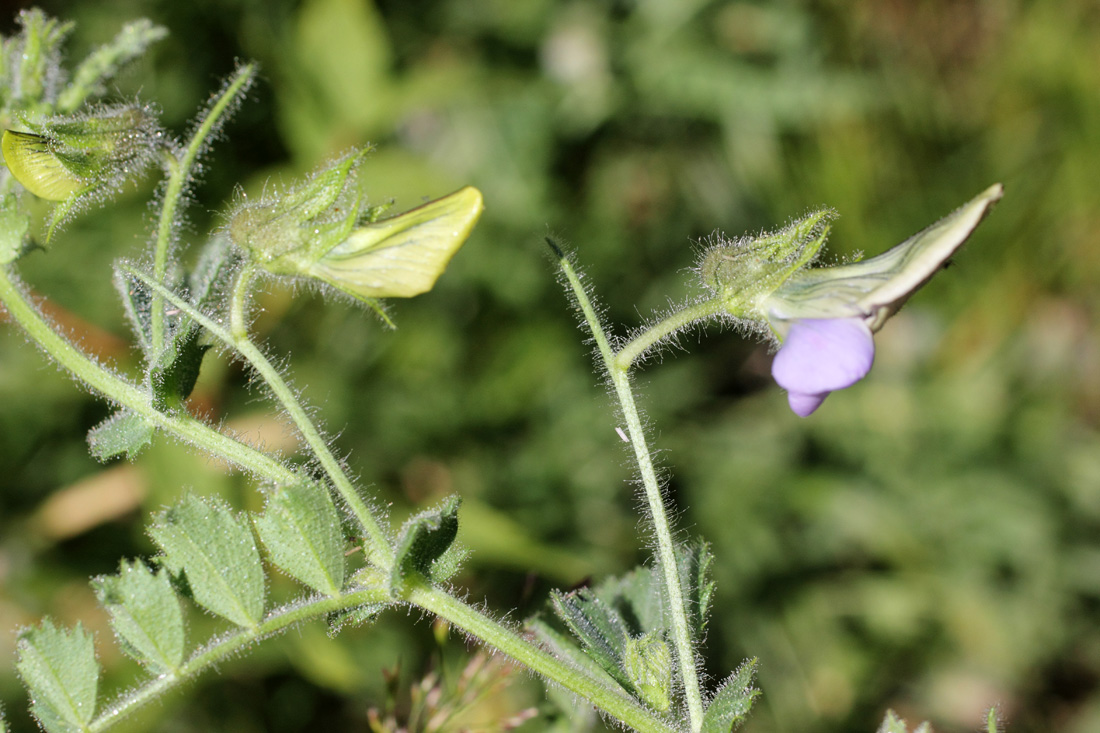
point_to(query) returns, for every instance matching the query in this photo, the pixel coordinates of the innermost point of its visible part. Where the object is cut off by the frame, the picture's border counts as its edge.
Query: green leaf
(600, 629)
(694, 564)
(648, 664)
(358, 616)
(145, 614)
(137, 300)
(174, 371)
(203, 540)
(122, 433)
(14, 225)
(425, 538)
(732, 702)
(103, 63)
(58, 666)
(566, 648)
(301, 529)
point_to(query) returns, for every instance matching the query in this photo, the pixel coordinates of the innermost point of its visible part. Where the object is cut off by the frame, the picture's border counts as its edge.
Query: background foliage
(927, 541)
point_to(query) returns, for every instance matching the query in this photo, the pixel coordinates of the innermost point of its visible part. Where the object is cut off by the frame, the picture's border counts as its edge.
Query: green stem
(224, 647)
(618, 370)
(180, 175)
(538, 660)
(675, 321)
(118, 390)
(237, 338)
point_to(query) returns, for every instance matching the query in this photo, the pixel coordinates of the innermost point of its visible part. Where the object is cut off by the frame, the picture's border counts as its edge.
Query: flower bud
(61, 157)
(318, 231)
(285, 232)
(744, 271)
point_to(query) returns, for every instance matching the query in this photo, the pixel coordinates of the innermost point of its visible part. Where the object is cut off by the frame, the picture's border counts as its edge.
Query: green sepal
(145, 614)
(744, 271)
(600, 629)
(286, 231)
(301, 529)
(123, 433)
(59, 668)
(648, 664)
(893, 724)
(733, 701)
(14, 227)
(425, 538)
(104, 62)
(208, 545)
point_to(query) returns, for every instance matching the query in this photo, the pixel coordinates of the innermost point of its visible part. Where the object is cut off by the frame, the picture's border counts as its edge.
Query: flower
(821, 355)
(825, 317)
(320, 230)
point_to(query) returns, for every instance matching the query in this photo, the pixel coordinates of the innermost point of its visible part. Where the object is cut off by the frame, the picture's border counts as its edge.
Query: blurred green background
(928, 541)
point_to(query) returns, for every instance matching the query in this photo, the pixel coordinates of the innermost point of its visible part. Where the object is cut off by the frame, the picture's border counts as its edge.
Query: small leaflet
(301, 530)
(203, 540)
(59, 668)
(145, 614)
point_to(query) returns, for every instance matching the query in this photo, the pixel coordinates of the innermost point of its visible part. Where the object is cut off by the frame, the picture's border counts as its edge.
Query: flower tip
(803, 404)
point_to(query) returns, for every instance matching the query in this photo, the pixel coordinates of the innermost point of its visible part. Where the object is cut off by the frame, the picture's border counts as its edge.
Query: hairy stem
(675, 321)
(121, 392)
(237, 338)
(181, 169)
(224, 647)
(618, 371)
(538, 660)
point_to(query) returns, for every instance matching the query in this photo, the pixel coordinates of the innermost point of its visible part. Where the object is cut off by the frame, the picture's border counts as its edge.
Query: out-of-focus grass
(926, 541)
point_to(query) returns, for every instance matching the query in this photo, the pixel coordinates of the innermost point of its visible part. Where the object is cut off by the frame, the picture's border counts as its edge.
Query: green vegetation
(926, 541)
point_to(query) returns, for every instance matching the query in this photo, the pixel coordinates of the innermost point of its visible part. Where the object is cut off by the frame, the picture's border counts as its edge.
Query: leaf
(301, 529)
(565, 647)
(424, 538)
(174, 371)
(137, 300)
(731, 704)
(648, 664)
(145, 614)
(209, 282)
(600, 629)
(14, 225)
(103, 63)
(59, 668)
(694, 565)
(122, 433)
(358, 616)
(203, 540)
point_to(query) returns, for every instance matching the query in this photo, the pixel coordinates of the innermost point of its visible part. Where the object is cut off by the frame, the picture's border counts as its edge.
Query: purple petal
(804, 404)
(822, 355)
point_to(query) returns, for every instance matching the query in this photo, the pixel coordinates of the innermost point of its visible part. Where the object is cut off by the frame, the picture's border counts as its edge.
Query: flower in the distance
(825, 317)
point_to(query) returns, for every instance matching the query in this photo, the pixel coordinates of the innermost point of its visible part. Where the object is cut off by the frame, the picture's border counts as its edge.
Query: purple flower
(820, 355)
